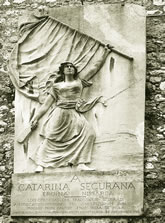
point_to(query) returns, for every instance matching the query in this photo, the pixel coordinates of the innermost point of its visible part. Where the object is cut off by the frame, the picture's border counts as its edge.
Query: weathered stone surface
(152, 159)
(151, 176)
(162, 85)
(149, 166)
(155, 79)
(157, 212)
(18, 1)
(159, 98)
(2, 168)
(158, 2)
(3, 124)
(2, 130)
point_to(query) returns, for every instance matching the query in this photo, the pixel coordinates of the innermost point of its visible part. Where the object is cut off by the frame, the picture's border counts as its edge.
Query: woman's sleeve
(54, 92)
(85, 83)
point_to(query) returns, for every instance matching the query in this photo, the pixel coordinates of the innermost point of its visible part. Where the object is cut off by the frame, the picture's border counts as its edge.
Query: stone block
(159, 2)
(155, 79)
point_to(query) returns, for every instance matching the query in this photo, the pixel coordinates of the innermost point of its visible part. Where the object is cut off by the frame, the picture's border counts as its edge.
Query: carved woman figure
(68, 136)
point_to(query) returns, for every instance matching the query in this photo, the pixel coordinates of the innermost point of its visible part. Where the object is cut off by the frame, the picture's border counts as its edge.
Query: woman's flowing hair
(59, 76)
(61, 72)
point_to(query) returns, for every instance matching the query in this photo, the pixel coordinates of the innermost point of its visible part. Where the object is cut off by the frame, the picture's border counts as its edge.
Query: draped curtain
(43, 46)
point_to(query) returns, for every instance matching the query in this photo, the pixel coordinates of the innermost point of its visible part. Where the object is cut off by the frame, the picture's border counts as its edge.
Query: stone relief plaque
(80, 93)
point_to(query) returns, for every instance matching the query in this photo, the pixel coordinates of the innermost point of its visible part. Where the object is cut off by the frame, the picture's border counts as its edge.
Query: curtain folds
(43, 46)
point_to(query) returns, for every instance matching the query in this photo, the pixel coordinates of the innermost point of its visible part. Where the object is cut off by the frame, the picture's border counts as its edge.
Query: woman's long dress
(68, 136)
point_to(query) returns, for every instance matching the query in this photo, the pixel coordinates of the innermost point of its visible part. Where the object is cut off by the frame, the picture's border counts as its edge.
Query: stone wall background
(154, 196)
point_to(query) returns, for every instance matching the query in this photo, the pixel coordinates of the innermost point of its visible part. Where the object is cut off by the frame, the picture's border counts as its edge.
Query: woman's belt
(66, 104)
(79, 105)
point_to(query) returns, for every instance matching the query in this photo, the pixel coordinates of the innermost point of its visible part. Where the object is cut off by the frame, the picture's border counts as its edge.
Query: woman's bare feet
(39, 169)
(83, 167)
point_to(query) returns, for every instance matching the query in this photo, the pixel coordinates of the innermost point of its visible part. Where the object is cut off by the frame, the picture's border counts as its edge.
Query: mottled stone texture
(154, 198)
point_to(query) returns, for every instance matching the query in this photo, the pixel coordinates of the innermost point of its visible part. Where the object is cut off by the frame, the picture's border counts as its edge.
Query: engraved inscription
(72, 195)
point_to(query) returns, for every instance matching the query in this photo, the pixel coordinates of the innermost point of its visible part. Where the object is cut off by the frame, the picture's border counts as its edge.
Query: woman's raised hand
(80, 102)
(33, 123)
(103, 101)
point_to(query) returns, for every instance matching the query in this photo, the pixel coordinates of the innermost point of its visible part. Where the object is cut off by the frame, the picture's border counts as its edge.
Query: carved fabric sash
(66, 104)
(79, 106)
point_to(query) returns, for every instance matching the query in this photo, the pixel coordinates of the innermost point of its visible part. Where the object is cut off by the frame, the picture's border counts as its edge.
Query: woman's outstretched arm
(42, 110)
